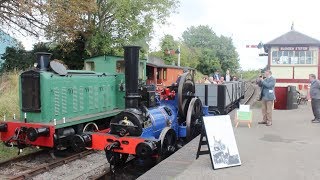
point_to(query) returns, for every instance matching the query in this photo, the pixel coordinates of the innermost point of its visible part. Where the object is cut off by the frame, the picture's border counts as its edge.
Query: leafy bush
(198, 76)
(250, 74)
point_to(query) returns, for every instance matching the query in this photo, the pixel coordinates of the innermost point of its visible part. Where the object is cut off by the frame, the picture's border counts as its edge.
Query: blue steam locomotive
(148, 127)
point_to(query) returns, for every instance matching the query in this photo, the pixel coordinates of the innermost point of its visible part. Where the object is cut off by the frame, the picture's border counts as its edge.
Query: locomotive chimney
(43, 60)
(131, 60)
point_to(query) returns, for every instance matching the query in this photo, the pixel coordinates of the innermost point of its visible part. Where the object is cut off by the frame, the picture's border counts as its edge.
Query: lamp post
(178, 55)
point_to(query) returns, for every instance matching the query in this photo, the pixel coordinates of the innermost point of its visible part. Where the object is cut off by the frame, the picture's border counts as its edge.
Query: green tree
(107, 24)
(167, 44)
(215, 53)
(189, 57)
(15, 58)
(71, 53)
(104, 25)
(200, 37)
(208, 62)
(227, 54)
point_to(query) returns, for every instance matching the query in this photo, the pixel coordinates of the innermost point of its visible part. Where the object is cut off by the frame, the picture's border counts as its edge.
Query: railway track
(29, 169)
(22, 158)
(131, 170)
(251, 93)
(28, 166)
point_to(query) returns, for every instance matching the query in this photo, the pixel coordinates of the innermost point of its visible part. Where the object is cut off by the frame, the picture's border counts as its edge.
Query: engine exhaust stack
(43, 60)
(131, 60)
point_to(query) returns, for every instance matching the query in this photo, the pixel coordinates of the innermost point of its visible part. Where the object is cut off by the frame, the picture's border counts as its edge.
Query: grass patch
(9, 105)
(7, 153)
(9, 97)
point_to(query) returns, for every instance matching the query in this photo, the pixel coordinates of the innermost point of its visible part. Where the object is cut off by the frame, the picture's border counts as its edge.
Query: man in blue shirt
(216, 75)
(267, 97)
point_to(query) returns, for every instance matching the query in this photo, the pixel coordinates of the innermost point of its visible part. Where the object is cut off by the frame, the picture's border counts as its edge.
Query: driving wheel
(168, 142)
(186, 90)
(194, 118)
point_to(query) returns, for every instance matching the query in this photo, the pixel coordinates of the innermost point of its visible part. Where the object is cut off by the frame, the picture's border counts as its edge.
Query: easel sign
(244, 115)
(221, 141)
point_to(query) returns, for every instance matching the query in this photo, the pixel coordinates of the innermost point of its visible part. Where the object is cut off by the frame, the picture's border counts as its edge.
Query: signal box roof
(294, 38)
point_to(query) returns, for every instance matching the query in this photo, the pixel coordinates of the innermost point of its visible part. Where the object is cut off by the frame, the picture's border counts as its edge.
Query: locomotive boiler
(148, 127)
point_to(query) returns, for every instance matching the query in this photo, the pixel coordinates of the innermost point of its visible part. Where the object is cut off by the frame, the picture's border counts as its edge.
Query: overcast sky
(246, 21)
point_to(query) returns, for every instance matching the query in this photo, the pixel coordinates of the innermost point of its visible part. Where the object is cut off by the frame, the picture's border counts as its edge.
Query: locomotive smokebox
(131, 60)
(43, 60)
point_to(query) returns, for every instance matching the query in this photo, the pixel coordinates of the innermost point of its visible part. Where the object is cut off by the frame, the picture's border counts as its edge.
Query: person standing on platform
(267, 97)
(315, 97)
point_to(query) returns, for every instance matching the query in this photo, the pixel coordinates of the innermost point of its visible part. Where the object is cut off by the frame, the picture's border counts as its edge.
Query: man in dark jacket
(315, 97)
(267, 97)
(216, 76)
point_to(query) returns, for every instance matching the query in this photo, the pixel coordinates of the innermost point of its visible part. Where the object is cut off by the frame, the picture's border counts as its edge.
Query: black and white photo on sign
(223, 147)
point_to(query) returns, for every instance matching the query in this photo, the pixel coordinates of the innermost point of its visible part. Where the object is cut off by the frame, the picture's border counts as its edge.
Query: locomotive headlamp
(3, 127)
(34, 133)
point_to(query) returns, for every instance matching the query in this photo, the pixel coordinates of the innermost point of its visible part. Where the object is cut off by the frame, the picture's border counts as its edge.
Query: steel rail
(22, 158)
(44, 168)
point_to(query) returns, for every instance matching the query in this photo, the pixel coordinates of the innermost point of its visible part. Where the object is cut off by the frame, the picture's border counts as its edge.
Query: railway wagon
(221, 98)
(164, 75)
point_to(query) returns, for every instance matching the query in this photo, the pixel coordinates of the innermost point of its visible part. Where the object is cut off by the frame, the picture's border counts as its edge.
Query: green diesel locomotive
(56, 104)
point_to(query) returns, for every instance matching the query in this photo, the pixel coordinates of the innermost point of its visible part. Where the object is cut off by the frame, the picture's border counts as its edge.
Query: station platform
(289, 149)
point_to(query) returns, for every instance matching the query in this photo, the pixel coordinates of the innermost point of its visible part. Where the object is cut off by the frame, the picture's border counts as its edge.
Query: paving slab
(289, 149)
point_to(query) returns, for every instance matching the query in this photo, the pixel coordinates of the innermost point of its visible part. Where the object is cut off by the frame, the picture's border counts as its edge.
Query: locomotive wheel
(90, 127)
(168, 142)
(186, 89)
(116, 159)
(194, 118)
